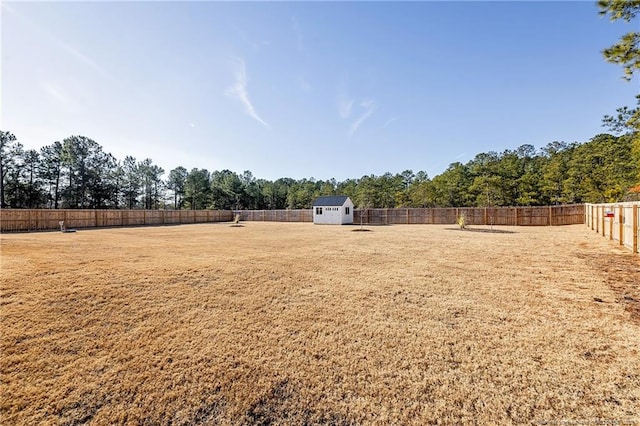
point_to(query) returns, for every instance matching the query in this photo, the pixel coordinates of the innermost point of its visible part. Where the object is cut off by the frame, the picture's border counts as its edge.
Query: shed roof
(332, 200)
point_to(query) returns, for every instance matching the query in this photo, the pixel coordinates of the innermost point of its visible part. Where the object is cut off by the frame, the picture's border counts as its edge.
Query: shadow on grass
(483, 230)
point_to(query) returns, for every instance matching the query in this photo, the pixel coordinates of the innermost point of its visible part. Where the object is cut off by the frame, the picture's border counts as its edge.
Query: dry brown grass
(296, 323)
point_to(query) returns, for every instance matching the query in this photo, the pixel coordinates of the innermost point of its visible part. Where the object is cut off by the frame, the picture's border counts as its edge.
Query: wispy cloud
(255, 44)
(369, 106)
(389, 121)
(239, 92)
(192, 125)
(345, 107)
(86, 60)
(82, 57)
(459, 156)
(55, 93)
(60, 95)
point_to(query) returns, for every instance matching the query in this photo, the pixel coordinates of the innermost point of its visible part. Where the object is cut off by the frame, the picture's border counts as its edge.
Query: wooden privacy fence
(277, 215)
(619, 222)
(16, 220)
(521, 216)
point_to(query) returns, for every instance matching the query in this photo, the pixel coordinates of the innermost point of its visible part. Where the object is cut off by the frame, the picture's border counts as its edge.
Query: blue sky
(324, 90)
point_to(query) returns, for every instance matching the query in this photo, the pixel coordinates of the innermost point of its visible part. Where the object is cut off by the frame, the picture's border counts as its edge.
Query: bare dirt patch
(301, 324)
(622, 275)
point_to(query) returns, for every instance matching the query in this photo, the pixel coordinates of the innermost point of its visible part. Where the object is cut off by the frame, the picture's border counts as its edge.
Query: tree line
(77, 173)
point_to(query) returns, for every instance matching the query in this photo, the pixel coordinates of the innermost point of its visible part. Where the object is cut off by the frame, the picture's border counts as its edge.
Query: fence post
(621, 224)
(635, 228)
(611, 228)
(602, 220)
(586, 215)
(485, 216)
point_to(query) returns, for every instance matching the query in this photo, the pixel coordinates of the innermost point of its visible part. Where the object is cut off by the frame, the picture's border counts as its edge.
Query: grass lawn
(293, 323)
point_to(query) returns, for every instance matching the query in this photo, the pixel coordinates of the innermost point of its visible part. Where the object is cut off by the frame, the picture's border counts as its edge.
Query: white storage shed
(333, 210)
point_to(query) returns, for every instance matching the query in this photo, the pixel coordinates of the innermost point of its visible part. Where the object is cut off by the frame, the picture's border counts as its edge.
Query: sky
(308, 89)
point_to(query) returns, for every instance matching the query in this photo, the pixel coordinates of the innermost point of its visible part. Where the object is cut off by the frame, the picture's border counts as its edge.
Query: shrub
(461, 222)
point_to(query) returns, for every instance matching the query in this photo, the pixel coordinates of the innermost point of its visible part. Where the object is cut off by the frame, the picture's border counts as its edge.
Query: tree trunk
(2, 203)
(57, 191)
